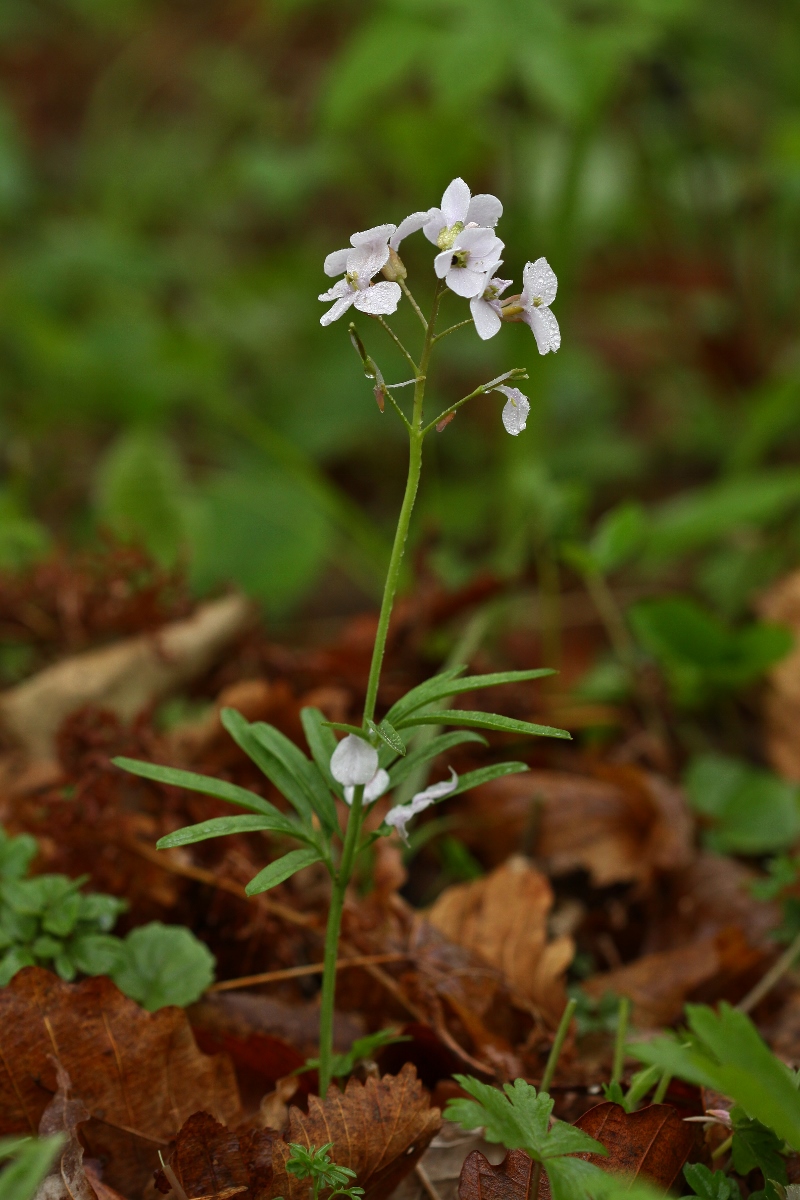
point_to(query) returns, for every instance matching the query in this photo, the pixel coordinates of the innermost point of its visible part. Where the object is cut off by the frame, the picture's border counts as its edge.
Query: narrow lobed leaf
(219, 788)
(224, 826)
(281, 870)
(481, 720)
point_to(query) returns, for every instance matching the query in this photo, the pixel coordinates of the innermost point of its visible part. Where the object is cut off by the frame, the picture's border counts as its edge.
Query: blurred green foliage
(172, 174)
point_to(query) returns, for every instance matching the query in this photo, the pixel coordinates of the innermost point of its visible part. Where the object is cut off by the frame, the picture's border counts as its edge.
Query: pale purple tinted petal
(485, 210)
(410, 225)
(502, 284)
(487, 322)
(539, 282)
(340, 288)
(479, 241)
(401, 814)
(354, 761)
(545, 329)
(441, 264)
(382, 297)
(455, 202)
(374, 789)
(339, 308)
(379, 233)
(336, 263)
(434, 225)
(367, 260)
(465, 282)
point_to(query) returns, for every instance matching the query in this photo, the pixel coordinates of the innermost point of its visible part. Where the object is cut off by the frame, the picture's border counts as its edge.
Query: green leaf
(224, 826)
(436, 690)
(473, 779)
(14, 960)
(751, 811)
(421, 694)
(96, 953)
(723, 1051)
(432, 749)
(519, 1117)
(219, 788)
(101, 911)
(163, 964)
(481, 720)
(322, 744)
(295, 776)
(141, 492)
(618, 536)
(710, 1185)
(362, 1048)
(282, 869)
(389, 735)
(31, 1160)
(16, 855)
(754, 1145)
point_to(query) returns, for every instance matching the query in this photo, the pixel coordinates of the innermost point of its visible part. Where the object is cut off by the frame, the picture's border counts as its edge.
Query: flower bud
(395, 268)
(354, 761)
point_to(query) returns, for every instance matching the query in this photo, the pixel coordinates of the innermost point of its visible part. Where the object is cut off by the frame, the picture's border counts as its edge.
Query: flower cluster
(354, 763)
(469, 255)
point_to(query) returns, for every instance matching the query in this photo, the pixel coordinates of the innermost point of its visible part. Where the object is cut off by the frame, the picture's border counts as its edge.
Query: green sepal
(281, 870)
(388, 735)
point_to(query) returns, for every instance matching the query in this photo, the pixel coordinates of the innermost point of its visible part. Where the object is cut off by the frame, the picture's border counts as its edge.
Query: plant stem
(558, 1043)
(773, 976)
(340, 882)
(723, 1147)
(661, 1090)
(452, 329)
(341, 877)
(414, 304)
(398, 343)
(622, 1033)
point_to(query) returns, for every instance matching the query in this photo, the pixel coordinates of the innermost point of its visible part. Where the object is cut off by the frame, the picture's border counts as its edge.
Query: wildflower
(373, 790)
(354, 761)
(459, 209)
(356, 289)
(515, 410)
(401, 814)
(539, 286)
(485, 308)
(375, 239)
(465, 265)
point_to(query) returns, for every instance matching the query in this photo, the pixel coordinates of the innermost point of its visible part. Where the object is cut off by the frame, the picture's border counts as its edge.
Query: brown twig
(362, 960)
(426, 1181)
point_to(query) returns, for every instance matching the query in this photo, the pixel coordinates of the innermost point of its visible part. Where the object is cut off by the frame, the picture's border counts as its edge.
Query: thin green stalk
(414, 304)
(558, 1044)
(340, 881)
(398, 343)
(661, 1090)
(723, 1147)
(622, 1033)
(452, 329)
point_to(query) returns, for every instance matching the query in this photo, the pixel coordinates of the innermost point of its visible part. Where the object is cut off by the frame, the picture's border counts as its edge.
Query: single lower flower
(515, 409)
(401, 814)
(465, 265)
(376, 240)
(354, 761)
(459, 209)
(486, 308)
(356, 287)
(539, 287)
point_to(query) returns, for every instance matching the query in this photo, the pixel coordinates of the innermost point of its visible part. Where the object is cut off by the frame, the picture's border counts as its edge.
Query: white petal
(378, 234)
(539, 282)
(465, 282)
(340, 288)
(374, 789)
(410, 225)
(441, 264)
(485, 210)
(336, 263)
(339, 309)
(382, 297)
(434, 225)
(455, 202)
(401, 814)
(545, 329)
(515, 410)
(483, 242)
(502, 284)
(487, 322)
(367, 260)
(354, 761)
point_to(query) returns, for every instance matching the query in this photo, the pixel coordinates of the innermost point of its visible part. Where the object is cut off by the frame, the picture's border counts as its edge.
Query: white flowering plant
(330, 792)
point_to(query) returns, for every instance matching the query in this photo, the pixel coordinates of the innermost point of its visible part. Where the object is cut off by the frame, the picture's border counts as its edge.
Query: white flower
(377, 241)
(459, 209)
(539, 286)
(485, 307)
(354, 761)
(361, 263)
(465, 265)
(401, 814)
(515, 410)
(374, 789)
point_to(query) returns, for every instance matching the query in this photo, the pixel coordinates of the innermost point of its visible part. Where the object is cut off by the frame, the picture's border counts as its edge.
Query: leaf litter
(582, 874)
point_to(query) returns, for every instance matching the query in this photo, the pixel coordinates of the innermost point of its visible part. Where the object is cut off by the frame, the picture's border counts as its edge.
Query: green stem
(558, 1043)
(351, 840)
(661, 1090)
(452, 329)
(398, 343)
(414, 304)
(622, 1033)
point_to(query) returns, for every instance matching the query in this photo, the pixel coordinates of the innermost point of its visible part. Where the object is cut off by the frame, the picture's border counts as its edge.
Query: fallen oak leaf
(379, 1129)
(66, 1179)
(139, 1074)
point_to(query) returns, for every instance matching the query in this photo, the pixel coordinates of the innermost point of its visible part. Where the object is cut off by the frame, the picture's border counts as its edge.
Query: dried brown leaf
(139, 1074)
